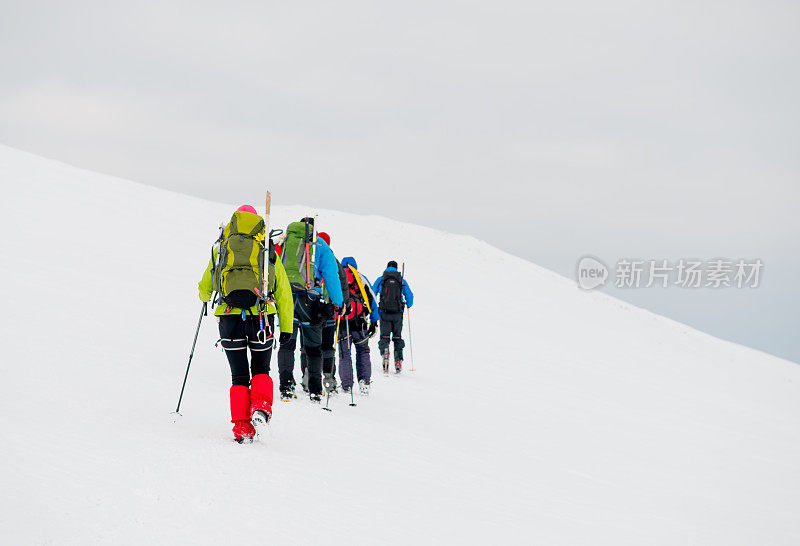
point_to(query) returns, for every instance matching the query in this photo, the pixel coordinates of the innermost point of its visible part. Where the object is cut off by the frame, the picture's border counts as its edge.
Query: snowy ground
(537, 414)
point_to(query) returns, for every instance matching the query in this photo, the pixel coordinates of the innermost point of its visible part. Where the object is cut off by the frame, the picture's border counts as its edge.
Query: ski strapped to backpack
(269, 298)
(266, 294)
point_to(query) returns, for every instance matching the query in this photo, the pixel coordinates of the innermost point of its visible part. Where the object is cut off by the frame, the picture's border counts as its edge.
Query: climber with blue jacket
(330, 316)
(309, 262)
(395, 295)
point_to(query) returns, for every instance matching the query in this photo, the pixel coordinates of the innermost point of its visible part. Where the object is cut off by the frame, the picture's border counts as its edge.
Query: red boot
(240, 414)
(261, 394)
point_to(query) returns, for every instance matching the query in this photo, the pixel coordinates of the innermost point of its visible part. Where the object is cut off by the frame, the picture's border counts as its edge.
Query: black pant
(308, 324)
(328, 354)
(391, 329)
(236, 336)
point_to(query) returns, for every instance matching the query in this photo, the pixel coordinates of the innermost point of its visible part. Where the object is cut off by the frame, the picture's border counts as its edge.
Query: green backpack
(239, 269)
(293, 256)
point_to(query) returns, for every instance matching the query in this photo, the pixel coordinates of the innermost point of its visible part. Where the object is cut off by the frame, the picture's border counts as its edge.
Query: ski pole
(336, 338)
(327, 400)
(333, 368)
(203, 311)
(410, 344)
(352, 375)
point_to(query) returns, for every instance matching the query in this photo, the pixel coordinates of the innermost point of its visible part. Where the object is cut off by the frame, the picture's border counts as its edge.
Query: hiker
(308, 262)
(235, 273)
(329, 315)
(395, 295)
(357, 330)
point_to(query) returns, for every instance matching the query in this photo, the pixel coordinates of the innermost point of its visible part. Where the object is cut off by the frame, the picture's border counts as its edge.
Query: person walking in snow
(395, 294)
(236, 276)
(329, 315)
(309, 262)
(362, 318)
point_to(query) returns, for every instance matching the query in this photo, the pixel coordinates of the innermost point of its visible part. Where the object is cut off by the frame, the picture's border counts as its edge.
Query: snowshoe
(346, 390)
(386, 363)
(398, 366)
(363, 388)
(316, 398)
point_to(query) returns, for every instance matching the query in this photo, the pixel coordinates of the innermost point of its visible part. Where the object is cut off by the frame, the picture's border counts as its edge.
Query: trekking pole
(410, 345)
(352, 375)
(336, 339)
(333, 368)
(203, 311)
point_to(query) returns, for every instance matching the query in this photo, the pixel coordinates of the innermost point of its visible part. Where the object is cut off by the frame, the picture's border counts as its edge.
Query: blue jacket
(408, 295)
(374, 315)
(327, 269)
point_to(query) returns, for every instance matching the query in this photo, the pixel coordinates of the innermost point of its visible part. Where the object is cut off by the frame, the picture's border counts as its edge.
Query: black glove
(285, 337)
(372, 327)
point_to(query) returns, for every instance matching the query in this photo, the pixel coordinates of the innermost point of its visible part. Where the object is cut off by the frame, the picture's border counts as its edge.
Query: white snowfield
(537, 414)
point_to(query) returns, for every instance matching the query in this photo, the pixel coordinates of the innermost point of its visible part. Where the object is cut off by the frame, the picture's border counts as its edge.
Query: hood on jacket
(349, 260)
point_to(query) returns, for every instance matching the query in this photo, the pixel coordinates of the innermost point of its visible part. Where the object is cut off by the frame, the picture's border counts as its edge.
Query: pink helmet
(247, 208)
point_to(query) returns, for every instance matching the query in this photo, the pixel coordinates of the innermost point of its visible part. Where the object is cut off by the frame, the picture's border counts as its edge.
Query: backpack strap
(360, 284)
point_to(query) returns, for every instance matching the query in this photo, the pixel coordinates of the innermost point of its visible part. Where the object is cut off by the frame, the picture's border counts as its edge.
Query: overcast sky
(552, 130)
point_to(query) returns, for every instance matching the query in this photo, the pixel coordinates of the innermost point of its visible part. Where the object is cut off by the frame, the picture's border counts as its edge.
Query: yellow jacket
(283, 296)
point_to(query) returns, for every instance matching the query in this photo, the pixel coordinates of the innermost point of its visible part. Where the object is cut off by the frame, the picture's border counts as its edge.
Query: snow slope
(538, 414)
